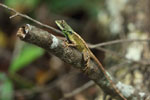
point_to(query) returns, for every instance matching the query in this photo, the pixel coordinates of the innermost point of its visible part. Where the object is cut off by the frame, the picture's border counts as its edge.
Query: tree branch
(71, 56)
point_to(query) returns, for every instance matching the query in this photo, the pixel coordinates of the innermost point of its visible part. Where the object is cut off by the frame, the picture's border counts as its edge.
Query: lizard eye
(70, 32)
(66, 31)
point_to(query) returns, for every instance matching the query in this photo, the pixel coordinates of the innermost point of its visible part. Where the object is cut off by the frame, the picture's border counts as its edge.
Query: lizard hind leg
(86, 58)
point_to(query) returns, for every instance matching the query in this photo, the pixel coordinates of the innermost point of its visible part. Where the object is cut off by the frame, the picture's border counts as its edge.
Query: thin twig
(118, 41)
(29, 18)
(142, 62)
(78, 90)
(13, 16)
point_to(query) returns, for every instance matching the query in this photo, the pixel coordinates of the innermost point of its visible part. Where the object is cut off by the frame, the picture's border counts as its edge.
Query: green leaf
(6, 88)
(26, 56)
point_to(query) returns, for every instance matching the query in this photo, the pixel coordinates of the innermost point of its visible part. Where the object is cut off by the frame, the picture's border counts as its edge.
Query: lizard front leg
(67, 44)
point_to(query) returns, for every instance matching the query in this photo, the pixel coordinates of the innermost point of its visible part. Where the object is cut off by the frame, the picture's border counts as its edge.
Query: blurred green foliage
(19, 4)
(6, 88)
(60, 6)
(27, 55)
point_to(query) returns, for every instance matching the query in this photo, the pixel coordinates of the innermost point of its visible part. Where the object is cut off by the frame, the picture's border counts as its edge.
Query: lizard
(77, 41)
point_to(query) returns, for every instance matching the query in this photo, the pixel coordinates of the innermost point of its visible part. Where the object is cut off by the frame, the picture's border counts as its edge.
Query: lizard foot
(66, 44)
(87, 62)
(87, 67)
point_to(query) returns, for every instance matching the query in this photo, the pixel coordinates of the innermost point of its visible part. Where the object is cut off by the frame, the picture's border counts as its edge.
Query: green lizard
(75, 40)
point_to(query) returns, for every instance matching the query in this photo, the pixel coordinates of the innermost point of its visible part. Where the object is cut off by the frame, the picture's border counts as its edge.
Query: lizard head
(66, 29)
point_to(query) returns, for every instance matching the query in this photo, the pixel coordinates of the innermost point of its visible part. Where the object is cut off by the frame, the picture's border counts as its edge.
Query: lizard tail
(107, 76)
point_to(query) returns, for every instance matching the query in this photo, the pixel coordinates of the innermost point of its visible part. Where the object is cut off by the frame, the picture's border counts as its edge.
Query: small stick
(117, 41)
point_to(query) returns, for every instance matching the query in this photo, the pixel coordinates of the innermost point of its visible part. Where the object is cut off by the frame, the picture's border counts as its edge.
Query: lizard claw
(87, 66)
(66, 44)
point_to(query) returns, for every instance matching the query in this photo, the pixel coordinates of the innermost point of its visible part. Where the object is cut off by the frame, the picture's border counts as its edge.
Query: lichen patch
(54, 42)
